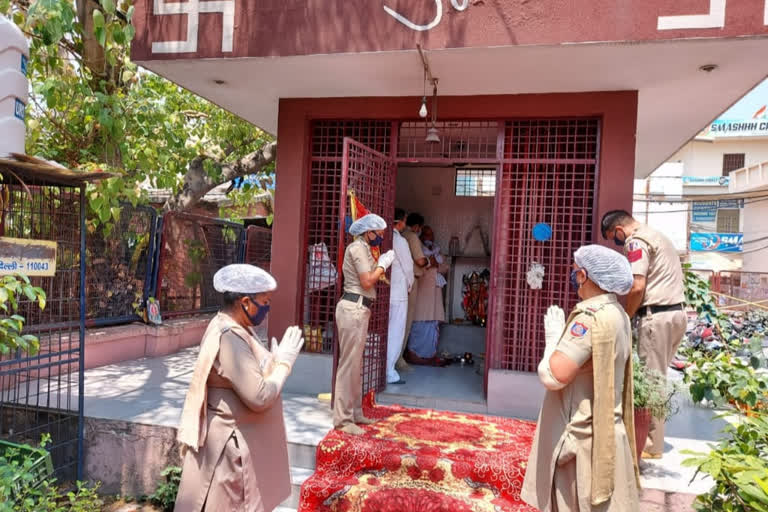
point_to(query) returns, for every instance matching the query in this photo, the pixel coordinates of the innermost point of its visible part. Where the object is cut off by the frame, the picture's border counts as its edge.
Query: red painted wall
(618, 111)
(305, 27)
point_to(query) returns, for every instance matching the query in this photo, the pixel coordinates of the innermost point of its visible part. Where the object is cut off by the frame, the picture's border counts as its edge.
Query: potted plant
(652, 398)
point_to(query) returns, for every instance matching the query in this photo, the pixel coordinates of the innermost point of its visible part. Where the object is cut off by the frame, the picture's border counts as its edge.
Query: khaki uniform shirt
(652, 255)
(243, 463)
(358, 260)
(414, 243)
(564, 430)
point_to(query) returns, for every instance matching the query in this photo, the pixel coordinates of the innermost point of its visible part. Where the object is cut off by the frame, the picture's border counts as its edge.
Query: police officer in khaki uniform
(583, 456)
(361, 273)
(657, 300)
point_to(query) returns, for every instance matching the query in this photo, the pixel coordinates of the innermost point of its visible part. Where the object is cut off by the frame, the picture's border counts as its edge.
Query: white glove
(386, 259)
(554, 323)
(290, 346)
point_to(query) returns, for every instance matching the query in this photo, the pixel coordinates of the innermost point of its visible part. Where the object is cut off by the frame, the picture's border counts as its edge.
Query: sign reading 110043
(29, 257)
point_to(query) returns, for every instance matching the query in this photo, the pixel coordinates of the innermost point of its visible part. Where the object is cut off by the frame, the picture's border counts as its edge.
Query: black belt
(354, 297)
(660, 309)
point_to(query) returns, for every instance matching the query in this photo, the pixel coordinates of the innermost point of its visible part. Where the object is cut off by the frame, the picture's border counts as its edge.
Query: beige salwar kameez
(562, 465)
(242, 465)
(429, 300)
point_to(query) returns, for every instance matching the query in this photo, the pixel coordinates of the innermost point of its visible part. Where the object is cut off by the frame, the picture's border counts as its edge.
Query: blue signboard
(717, 242)
(730, 203)
(706, 181)
(704, 211)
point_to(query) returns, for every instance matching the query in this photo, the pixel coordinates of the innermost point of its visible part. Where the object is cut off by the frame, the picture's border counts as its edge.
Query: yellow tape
(757, 304)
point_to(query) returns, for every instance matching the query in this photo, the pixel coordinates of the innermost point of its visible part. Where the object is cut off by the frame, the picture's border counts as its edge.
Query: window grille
(731, 162)
(727, 221)
(476, 182)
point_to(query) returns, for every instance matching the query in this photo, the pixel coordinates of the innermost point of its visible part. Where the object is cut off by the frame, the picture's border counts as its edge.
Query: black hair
(614, 218)
(414, 219)
(231, 298)
(399, 214)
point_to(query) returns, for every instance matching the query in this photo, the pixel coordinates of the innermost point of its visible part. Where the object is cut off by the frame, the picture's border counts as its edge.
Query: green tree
(91, 108)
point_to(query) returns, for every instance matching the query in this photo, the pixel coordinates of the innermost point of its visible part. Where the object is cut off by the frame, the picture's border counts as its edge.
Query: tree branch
(197, 182)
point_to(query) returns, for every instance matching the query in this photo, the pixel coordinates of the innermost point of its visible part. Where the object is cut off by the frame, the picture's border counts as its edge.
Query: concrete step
(301, 455)
(440, 404)
(307, 421)
(298, 476)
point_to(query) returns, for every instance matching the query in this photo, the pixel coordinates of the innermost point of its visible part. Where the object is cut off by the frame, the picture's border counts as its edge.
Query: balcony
(749, 179)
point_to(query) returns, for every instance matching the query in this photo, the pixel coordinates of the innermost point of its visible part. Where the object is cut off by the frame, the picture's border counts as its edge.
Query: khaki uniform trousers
(352, 324)
(659, 336)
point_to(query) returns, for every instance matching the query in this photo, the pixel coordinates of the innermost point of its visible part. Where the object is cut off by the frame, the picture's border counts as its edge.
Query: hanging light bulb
(423, 109)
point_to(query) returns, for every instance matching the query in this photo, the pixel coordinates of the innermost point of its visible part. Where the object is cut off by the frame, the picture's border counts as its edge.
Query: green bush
(738, 465)
(165, 495)
(22, 491)
(726, 379)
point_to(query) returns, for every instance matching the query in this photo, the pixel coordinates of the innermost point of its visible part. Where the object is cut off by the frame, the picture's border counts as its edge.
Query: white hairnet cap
(606, 267)
(243, 278)
(370, 222)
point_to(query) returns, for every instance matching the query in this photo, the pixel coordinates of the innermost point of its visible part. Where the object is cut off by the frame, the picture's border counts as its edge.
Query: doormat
(421, 460)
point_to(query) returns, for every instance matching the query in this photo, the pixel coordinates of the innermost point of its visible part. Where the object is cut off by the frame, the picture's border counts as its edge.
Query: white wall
(755, 227)
(669, 217)
(431, 192)
(705, 158)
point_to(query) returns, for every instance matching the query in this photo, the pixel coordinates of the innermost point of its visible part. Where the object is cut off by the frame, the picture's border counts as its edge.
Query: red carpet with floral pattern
(420, 460)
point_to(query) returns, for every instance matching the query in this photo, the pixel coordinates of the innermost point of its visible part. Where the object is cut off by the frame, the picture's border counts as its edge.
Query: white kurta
(402, 269)
(402, 280)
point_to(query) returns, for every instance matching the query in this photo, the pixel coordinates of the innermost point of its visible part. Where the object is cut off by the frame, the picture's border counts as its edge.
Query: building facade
(721, 231)
(566, 102)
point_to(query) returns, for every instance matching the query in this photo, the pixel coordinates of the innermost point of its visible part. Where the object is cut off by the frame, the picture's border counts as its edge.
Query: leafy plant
(13, 289)
(21, 489)
(698, 293)
(652, 391)
(738, 465)
(727, 379)
(165, 495)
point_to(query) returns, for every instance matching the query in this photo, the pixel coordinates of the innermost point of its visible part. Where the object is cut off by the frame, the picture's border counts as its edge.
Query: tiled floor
(452, 382)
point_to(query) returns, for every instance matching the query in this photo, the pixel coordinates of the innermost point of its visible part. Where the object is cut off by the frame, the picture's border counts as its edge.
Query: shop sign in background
(717, 242)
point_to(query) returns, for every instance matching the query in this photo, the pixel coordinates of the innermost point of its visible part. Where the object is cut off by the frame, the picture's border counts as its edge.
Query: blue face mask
(376, 241)
(619, 242)
(574, 281)
(261, 313)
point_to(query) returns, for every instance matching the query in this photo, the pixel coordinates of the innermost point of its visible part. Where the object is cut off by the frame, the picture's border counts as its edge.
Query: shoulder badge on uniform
(634, 252)
(578, 330)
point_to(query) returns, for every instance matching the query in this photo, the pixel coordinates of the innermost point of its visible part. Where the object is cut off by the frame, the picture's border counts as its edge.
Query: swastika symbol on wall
(193, 9)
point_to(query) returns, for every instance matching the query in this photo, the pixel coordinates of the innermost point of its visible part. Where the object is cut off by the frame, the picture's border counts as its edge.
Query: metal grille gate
(258, 247)
(327, 147)
(548, 174)
(193, 248)
(120, 264)
(43, 394)
(372, 177)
